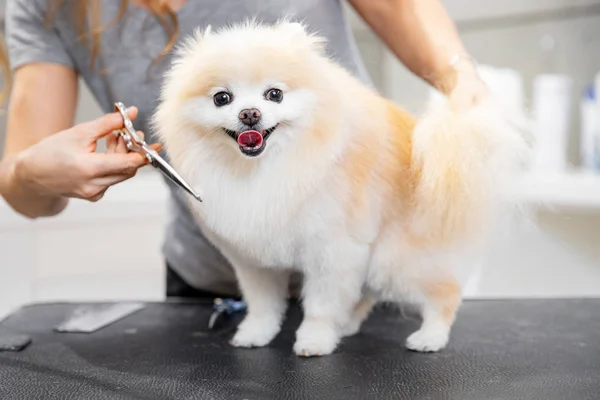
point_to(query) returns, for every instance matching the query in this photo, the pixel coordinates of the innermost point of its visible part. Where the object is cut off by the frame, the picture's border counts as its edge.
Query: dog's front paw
(427, 340)
(313, 347)
(254, 332)
(315, 339)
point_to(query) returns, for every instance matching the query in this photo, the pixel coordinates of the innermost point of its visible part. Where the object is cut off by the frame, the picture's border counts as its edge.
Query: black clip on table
(499, 349)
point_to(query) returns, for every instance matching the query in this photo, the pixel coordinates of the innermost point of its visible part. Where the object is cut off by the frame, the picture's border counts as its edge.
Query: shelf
(573, 189)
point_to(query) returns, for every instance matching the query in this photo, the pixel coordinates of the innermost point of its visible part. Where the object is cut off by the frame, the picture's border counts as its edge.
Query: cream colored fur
(367, 202)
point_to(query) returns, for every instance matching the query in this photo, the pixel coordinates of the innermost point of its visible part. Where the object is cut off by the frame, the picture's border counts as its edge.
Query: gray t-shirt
(126, 72)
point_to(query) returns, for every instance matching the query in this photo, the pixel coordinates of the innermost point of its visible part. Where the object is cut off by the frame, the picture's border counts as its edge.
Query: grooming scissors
(135, 143)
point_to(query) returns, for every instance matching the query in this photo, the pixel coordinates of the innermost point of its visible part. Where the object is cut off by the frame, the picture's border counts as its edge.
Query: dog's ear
(298, 33)
(294, 29)
(191, 43)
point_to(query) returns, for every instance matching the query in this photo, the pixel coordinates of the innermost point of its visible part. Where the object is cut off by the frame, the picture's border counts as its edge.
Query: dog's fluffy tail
(464, 161)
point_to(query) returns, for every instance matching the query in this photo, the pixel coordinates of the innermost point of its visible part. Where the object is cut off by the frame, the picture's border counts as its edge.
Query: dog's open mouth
(251, 142)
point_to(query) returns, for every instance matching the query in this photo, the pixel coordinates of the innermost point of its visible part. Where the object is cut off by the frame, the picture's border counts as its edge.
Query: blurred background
(539, 55)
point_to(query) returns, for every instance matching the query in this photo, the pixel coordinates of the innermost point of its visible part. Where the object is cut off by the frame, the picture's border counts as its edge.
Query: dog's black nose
(250, 116)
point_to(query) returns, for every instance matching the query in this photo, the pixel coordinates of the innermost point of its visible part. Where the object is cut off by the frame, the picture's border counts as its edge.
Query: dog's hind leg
(334, 276)
(359, 315)
(439, 301)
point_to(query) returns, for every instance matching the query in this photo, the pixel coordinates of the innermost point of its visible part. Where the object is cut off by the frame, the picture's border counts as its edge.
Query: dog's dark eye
(222, 99)
(275, 95)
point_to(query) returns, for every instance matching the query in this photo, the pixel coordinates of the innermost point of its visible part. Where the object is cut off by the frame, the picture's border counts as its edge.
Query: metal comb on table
(135, 143)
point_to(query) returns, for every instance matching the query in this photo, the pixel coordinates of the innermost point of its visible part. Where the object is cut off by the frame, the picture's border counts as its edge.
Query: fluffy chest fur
(263, 213)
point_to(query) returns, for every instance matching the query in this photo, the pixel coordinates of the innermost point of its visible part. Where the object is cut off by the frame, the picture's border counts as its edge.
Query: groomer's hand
(65, 164)
(469, 90)
(463, 84)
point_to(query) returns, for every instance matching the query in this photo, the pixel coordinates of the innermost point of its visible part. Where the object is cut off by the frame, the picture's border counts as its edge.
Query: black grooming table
(517, 349)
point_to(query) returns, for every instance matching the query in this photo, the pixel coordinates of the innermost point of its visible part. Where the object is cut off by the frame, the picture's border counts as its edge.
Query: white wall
(557, 256)
(105, 250)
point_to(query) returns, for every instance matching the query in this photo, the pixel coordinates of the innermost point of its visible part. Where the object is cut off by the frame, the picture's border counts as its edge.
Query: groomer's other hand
(65, 164)
(470, 90)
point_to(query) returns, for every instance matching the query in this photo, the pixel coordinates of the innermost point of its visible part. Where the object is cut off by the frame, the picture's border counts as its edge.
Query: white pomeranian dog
(303, 168)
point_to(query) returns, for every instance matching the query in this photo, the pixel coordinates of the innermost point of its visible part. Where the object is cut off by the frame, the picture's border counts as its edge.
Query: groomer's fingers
(121, 146)
(101, 165)
(94, 189)
(98, 196)
(106, 124)
(157, 146)
(111, 143)
(113, 179)
(116, 144)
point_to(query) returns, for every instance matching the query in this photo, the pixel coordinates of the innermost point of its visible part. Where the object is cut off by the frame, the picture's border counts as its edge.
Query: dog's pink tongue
(250, 139)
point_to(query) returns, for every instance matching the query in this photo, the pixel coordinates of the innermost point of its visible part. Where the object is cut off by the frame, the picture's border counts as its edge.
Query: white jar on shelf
(551, 113)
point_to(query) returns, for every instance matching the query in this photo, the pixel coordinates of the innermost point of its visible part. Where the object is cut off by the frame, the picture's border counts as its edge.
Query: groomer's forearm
(23, 200)
(421, 34)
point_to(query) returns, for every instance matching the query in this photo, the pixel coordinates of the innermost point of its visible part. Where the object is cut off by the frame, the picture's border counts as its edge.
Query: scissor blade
(160, 164)
(136, 143)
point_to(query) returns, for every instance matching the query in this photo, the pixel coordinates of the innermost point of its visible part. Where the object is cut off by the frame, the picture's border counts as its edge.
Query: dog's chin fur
(368, 202)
